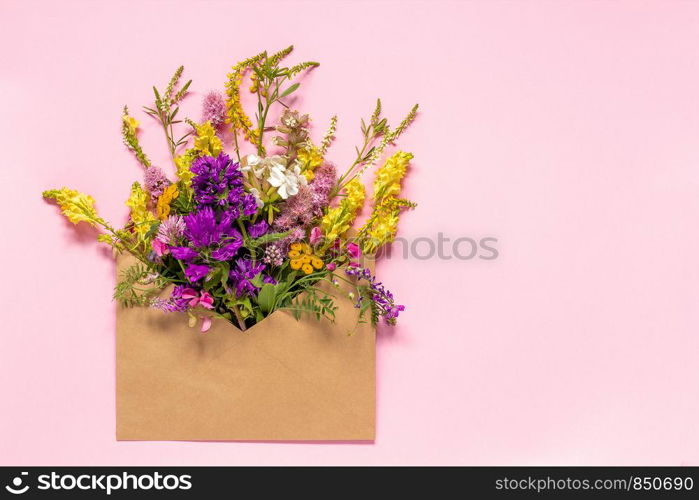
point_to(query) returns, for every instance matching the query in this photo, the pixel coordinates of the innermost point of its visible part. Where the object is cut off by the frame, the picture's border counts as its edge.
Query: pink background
(568, 130)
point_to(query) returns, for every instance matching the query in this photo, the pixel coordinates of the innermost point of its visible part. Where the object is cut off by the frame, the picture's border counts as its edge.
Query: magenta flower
(194, 299)
(353, 250)
(185, 254)
(315, 236)
(195, 272)
(159, 248)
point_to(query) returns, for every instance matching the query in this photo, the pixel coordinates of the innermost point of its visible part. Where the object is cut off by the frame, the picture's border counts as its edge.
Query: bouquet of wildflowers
(257, 223)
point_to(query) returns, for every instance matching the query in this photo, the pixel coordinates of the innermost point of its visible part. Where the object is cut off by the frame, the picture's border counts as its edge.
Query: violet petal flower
(195, 272)
(185, 254)
(258, 229)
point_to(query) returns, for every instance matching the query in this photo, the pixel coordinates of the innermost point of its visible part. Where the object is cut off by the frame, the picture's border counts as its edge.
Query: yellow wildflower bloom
(163, 205)
(310, 158)
(355, 195)
(76, 206)
(236, 114)
(317, 263)
(382, 231)
(140, 215)
(131, 123)
(339, 219)
(296, 246)
(295, 264)
(309, 175)
(207, 143)
(294, 254)
(307, 268)
(389, 176)
(183, 163)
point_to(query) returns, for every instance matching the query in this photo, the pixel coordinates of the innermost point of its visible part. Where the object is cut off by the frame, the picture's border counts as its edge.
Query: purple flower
(214, 109)
(242, 273)
(203, 230)
(195, 272)
(184, 254)
(268, 279)
(227, 251)
(258, 229)
(155, 181)
(248, 205)
(175, 303)
(217, 181)
(382, 299)
(171, 230)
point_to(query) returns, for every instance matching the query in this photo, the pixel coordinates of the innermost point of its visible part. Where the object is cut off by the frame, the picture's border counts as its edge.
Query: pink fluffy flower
(155, 181)
(315, 236)
(214, 108)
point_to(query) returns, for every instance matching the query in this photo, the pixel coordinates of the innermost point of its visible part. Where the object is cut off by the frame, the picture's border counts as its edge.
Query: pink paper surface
(567, 130)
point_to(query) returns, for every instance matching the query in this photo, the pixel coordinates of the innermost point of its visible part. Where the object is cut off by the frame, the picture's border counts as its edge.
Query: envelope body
(280, 380)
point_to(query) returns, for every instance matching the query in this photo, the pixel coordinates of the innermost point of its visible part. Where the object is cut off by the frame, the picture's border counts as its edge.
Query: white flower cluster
(274, 170)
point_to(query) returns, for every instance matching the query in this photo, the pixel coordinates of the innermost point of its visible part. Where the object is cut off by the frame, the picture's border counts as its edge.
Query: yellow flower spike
(207, 142)
(310, 158)
(317, 263)
(140, 215)
(296, 246)
(294, 254)
(295, 264)
(307, 268)
(163, 205)
(309, 175)
(389, 176)
(183, 163)
(131, 123)
(76, 206)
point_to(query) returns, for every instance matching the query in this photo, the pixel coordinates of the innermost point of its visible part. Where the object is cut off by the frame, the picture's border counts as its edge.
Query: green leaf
(292, 88)
(265, 298)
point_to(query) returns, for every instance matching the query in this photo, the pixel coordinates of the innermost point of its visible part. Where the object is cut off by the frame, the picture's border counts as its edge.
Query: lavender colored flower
(383, 300)
(155, 181)
(227, 251)
(273, 255)
(214, 109)
(258, 229)
(297, 210)
(267, 279)
(195, 272)
(217, 181)
(241, 276)
(324, 180)
(171, 230)
(203, 230)
(248, 205)
(185, 254)
(175, 303)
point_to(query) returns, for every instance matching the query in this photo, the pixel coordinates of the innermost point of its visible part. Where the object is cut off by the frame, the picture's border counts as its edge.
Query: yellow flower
(296, 246)
(163, 205)
(388, 177)
(207, 142)
(183, 163)
(317, 263)
(236, 114)
(307, 268)
(309, 175)
(131, 123)
(294, 254)
(383, 231)
(306, 259)
(340, 218)
(310, 158)
(140, 215)
(76, 206)
(355, 195)
(296, 264)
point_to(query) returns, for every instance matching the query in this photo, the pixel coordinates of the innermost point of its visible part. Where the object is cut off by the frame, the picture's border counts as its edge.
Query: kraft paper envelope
(280, 380)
